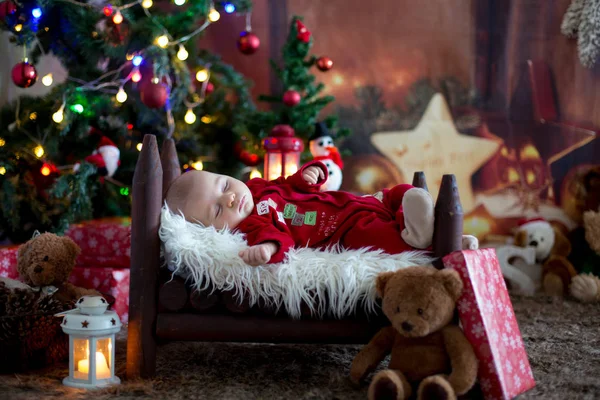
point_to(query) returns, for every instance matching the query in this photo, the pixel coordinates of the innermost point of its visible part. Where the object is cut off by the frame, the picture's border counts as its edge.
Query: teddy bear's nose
(38, 269)
(407, 326)
(533, 243)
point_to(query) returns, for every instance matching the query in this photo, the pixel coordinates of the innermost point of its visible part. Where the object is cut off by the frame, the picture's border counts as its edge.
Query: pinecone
(21, 302)
(4, 294)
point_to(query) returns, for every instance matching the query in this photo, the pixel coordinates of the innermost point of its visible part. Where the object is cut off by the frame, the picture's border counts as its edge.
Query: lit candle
(102, 369)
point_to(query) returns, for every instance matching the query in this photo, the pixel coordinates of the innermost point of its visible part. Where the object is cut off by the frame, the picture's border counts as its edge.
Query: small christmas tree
(300, 103)
(132, 70)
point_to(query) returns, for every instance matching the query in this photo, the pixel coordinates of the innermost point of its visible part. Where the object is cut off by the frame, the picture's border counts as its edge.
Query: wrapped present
(104, 242)
(489, 323)
(8, 261)
(113, 281)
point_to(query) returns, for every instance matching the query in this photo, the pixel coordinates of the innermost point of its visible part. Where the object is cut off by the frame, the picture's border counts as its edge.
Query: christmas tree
(301, 102)
(132, 70)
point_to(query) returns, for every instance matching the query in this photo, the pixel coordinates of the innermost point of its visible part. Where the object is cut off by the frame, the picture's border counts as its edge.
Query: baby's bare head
(210, 199)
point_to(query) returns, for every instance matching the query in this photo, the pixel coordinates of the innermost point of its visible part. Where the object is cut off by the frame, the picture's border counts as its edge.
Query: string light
(229, 8)
(78, 108)
(36, 12)
(38, 151)
(124, 191)
(136, 76)
(18, 27)
(139, 147)
(179, 2)
(162, 41)
(121, 95)
(2, 142)
(2, 170)
(47, 80)
(213, 15)
(197, 165)
(190, 117)
(147, 3)
(202, 75)
(33, 116)
(118, 18)
(107, 10)
(206, 119)
(137, 60)
(129, 56)
(255, 174)
(59, 115)
(45, 170)
(182, 54)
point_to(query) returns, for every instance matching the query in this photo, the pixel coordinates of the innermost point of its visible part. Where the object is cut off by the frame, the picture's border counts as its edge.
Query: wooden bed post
(419, 180)
(145, 261)
(170, 165)
(448, 225)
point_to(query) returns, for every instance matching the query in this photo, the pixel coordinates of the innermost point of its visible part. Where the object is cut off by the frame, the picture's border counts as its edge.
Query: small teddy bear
(551, 251)
(47, 260)
(585, 287)
(428, 352)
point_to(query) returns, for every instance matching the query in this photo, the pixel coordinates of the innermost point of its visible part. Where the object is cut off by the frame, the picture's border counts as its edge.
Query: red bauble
(154, 95)
(291, 98)
(7, 8)
(324, 63)
(248, 43)
(209, 88)
(24, 74)
(249, 159)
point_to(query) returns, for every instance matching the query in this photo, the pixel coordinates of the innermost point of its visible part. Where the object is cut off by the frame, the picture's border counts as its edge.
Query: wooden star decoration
(437, 148)
(84, 324)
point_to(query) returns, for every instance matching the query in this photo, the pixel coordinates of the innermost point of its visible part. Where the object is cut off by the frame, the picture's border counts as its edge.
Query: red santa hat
(104, 141)
(334, 155)
(525, 221)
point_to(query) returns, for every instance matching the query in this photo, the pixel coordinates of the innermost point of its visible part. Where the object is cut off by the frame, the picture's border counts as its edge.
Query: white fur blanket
(331, 281)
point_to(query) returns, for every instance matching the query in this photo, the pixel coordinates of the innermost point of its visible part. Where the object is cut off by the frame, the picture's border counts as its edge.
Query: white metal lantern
(91, 329)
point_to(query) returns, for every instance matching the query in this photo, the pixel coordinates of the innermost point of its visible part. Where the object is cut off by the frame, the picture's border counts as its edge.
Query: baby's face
(217, 200)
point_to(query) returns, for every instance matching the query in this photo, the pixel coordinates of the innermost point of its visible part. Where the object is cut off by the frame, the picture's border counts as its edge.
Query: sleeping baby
(292, 212)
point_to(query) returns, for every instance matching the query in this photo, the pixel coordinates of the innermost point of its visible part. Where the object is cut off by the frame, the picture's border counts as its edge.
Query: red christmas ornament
(209, 88)
(24, 74)
(154, 95)
(291, 98)
(249, 159)
(324, 63)
(248, 43)
(7, 8)
(303, 33)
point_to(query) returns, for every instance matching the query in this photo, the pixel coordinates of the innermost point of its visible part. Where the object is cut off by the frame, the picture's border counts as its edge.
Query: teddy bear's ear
(23, 261)
(452, 282)
(562, 246)
(521, 238)
(72, 248)
(382, 280)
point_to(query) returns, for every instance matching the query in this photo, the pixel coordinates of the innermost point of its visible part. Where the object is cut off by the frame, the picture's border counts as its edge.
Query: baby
(291, 212)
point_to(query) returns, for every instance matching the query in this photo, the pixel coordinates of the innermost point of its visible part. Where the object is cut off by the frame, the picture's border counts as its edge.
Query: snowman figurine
(322, 149)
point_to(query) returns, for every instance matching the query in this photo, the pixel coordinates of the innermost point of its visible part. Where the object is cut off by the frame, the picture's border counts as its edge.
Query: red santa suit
(294, 213)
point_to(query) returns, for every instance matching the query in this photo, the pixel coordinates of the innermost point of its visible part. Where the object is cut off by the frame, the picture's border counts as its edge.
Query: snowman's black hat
(321, 130)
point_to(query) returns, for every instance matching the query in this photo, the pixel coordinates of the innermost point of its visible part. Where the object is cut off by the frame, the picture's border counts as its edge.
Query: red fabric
(320, 219)
(488, 321)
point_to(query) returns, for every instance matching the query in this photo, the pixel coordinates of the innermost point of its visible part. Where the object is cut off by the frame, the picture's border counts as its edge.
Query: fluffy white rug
(331, 282)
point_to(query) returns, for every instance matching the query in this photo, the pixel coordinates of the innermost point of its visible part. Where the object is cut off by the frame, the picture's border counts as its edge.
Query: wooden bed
(162, 311)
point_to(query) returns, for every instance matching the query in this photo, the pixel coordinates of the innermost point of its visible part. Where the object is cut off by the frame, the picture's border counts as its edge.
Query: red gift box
(104, 242)
(8, 261)
(489, 323)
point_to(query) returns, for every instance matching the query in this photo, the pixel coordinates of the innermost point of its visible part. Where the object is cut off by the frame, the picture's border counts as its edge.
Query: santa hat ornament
(106, 158)
(525, 223)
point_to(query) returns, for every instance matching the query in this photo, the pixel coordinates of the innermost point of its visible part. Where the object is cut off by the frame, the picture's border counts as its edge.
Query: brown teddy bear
(551, 250)
(428, 351)
(48, 260)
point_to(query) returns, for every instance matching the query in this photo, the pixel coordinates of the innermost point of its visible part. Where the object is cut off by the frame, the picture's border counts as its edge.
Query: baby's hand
(258, 254)
(312, 174)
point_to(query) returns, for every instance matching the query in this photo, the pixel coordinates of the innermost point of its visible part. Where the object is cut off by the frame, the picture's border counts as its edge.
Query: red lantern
(283, 151)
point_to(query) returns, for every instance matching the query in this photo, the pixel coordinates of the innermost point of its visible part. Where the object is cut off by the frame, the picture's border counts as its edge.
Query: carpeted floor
(562, 339)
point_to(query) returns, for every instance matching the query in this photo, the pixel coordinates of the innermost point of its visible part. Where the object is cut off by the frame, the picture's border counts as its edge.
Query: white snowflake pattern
(128, 252)
(109, 234)
(464, 305)
(505, 339)
(125, 317)
(517, 380)
(508, 366)
(486, 385)
(508, 311)
(96, 282)
(78, 235)
(92, 243)
(489, 307)
(5, 263)
(494, 336)
(477, 330)
(492, 368)
(522, 366)
(118, 275)
(499, 306)
(508, 326)
(86, 273)
(492, 289)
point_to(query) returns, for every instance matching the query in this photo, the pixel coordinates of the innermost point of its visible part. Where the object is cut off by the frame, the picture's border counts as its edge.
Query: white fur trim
(330, 281)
